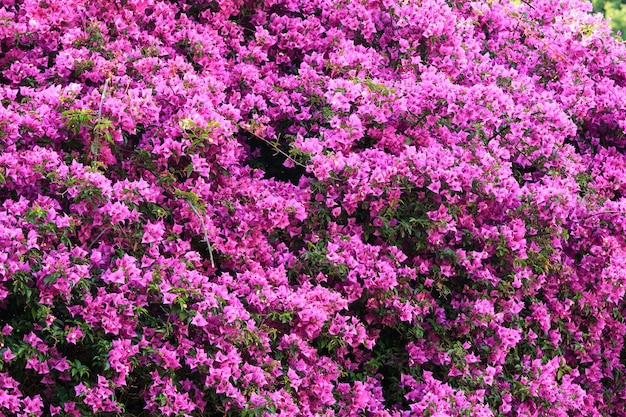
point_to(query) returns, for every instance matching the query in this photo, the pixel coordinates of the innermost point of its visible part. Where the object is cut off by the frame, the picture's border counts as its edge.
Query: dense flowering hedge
(311, 207)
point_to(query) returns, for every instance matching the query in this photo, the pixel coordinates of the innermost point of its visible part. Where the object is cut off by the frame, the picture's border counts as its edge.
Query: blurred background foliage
(614, 10)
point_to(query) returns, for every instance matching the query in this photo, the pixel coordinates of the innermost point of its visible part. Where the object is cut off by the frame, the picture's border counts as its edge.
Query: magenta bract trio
(311, 208)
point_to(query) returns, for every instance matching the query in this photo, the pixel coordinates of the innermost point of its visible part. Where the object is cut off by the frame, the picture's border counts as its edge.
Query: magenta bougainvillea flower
(311, 208)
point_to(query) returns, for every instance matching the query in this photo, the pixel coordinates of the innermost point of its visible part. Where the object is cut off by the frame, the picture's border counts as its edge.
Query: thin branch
(127, 87)
(277, 149)
(206, 234)
(603, 213)
(273, 145)
(527, 3)
(98, 237)
(104, 93)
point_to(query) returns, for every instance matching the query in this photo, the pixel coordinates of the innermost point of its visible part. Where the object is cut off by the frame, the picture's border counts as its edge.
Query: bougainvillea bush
(311, 208)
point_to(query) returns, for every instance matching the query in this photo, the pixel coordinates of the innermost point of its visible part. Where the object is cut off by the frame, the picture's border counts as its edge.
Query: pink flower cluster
(311, 208)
